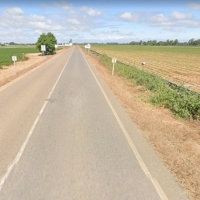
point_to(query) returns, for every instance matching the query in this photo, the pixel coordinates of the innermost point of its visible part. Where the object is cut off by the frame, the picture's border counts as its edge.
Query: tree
(171, 42)
(191, 41)
(175, 42)
(48, 40)
(11, 43)
(197, 42)
(141, 42)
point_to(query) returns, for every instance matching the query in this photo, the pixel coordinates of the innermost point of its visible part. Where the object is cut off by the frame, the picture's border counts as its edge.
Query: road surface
(63, 135)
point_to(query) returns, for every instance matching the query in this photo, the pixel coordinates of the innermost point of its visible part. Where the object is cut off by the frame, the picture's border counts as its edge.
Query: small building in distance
(66, 44)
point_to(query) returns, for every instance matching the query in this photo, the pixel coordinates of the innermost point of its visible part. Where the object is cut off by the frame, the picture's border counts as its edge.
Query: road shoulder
(137, 111)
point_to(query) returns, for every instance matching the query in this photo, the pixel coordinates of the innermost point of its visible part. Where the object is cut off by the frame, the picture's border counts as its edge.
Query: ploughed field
(180, 65)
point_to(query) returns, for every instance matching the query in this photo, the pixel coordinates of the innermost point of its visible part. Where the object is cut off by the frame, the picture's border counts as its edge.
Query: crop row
(179, 67)
(180, 101)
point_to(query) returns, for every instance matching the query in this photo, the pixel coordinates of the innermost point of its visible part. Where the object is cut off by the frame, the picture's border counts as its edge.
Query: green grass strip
(182, 102)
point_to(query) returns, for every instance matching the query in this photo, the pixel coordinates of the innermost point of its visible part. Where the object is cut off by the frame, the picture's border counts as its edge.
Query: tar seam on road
(19, 154)
(155, 183)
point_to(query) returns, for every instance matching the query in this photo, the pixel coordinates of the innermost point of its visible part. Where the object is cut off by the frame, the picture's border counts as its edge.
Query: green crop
(6, 54)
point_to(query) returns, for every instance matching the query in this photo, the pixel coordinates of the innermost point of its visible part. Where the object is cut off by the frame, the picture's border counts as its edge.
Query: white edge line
(19, 154)
(155, 183)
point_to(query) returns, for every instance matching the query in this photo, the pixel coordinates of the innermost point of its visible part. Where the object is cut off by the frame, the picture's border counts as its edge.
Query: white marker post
(114, 60)
(43, 49)
(88, 46)
(143, 64)
(14, 59)
(56, 46)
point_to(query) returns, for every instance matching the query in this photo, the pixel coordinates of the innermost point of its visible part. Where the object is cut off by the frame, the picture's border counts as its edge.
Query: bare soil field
(181, 65)
(177, 141)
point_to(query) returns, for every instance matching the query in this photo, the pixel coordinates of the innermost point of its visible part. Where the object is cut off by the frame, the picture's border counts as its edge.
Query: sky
(99, 21)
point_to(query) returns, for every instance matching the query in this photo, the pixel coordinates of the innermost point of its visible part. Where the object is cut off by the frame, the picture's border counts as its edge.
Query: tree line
(191, 42)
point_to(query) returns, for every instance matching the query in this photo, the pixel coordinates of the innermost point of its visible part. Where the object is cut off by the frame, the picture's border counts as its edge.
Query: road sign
(114, 60)
(88, 46)
(43, 48)
(14, 58)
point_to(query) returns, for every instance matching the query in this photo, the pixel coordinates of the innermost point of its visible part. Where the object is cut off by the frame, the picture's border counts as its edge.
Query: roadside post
(43, 49)
(56, 46)
(88, 46)
(14, 59)
(143, 64)
(114, 60)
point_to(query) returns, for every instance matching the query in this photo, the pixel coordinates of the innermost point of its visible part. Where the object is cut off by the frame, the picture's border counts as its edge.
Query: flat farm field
(180, 65)
(7, 52)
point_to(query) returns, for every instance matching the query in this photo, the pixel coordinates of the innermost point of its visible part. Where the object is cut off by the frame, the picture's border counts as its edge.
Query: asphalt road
(63, 135)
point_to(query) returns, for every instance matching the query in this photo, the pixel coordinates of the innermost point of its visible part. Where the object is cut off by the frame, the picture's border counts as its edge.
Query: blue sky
(99, 21)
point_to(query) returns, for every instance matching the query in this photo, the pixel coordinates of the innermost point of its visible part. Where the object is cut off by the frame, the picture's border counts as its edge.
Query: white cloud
(14, 11)
(40, 25)
(158, 19)
(38, 32)
(128, 16)
(194, 6)
(64, 5)
(188, 23)
(112, 35)
(37, 18)
(115, 33)
(93, 23)
(115, 37)
(73, 21)
(181, 15)
(91, 12)
(176, 18)
(174, 29)
(14, 21)
(15, 35)
(13, 17)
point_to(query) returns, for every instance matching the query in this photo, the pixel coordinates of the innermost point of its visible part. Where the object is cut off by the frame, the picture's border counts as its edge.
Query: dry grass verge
(176, 140)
